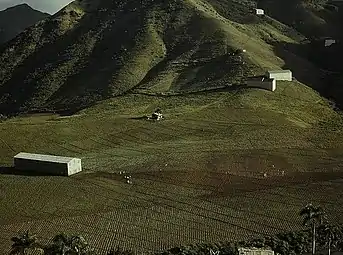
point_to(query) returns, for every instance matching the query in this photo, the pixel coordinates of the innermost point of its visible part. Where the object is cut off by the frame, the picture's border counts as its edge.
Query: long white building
(261, 82)
(47, 164)
(280, 75)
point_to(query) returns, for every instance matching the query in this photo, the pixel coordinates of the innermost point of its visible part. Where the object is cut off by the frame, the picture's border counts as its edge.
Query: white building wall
(282, 75)
(254, 251)
(268, 85)
(259, 11)
(47, 164)
(74, 166)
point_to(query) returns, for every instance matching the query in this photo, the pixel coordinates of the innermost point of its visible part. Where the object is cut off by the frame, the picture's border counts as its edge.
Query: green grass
(197, 175)
(181, 192)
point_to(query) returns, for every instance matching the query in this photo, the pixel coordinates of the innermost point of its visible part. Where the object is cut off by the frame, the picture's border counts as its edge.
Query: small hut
(157, 115)
(259, 11)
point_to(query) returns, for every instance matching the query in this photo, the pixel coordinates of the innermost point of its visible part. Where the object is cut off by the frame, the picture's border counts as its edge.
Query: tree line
(318, 233)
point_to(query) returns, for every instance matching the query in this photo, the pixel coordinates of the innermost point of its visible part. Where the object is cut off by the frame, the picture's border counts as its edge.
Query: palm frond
(15, 250)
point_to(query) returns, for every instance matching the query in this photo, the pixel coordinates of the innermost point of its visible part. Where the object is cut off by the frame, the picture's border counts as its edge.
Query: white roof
(254, 249)
(280, 71)
(42, 157)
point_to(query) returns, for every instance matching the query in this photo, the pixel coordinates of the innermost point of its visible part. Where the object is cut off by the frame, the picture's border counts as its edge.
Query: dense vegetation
(291, 243)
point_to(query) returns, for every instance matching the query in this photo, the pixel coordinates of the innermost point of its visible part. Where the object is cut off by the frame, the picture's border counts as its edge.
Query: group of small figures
(126, 177)
(157, 115)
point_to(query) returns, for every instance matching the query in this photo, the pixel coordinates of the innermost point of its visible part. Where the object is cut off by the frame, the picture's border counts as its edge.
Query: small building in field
(259, 11)
(329, 42)
(280, 75)
(157, 115)
(47, 164)
(261, 82)
(254, 251)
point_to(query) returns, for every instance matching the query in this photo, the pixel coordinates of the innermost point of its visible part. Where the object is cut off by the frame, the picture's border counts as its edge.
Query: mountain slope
(317, 20)
(92, 51)
(16, 19)
(313, 18)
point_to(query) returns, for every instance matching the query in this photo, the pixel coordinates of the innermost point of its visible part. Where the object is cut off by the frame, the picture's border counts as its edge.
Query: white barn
(47, 164)
(261, 82)
(280, 75)
(254, 251)
(259, 11)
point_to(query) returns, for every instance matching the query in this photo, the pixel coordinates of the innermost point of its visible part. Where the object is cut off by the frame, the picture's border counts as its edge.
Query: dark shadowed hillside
(313, 18)
(316, 20)
(16, 19)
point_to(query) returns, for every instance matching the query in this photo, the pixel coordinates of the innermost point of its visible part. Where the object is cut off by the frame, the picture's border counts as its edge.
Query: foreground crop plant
(24, 243)
(313, 217)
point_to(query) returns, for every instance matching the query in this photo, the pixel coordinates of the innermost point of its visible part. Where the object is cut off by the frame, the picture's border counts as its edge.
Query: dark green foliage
(313, 216)
(63, 244)
(290, 243)
(329, 235)
(202, 249)
(24, 243)
(120, 251)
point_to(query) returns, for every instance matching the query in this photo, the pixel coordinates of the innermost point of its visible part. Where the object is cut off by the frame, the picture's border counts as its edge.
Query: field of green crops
(198, 175)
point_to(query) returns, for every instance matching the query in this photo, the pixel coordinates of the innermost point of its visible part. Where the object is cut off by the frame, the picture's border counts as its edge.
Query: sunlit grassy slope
(197, 175)
(294, 116)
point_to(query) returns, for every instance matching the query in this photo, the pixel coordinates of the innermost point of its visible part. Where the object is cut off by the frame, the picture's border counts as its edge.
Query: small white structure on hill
(254, 251)
(280, 75)
(47, 164)
(329, 42)
(156, 116)
(259, 11)
(261, 82)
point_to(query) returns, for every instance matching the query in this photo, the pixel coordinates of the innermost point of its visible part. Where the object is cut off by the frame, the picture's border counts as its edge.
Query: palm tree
(64, 244)
(23, 243)
(332, 235)
(313, 217)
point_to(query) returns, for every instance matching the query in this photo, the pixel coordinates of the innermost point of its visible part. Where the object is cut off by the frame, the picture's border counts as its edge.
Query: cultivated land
(197, 176)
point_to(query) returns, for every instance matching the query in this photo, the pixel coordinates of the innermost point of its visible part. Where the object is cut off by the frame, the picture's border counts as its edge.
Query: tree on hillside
(68, 245)
(313, 217)
(331, 234)
(24, 243)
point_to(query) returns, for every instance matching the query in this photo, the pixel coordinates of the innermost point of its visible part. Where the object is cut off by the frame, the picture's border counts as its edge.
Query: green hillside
(227, 163)
(75, 59)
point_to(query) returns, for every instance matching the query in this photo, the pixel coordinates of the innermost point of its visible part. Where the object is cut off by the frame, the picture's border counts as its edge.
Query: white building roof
(280, 71)
(42, 157)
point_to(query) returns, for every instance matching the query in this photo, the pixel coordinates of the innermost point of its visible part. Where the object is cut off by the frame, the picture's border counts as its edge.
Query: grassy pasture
(197, 175)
